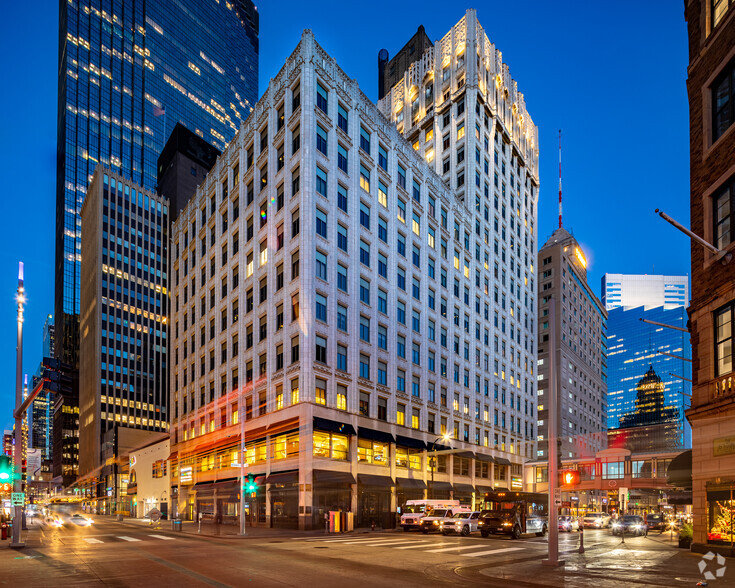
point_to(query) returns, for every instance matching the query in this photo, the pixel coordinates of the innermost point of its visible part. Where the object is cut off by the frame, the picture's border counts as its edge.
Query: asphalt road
(111, 554)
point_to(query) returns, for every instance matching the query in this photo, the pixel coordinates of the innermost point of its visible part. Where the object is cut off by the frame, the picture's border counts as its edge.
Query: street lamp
(446, 438)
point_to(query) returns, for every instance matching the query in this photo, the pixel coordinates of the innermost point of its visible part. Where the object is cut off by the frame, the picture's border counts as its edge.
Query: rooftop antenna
(560, 178)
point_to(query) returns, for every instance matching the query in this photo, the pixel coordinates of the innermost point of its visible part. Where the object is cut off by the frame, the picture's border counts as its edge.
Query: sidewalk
(232, 531)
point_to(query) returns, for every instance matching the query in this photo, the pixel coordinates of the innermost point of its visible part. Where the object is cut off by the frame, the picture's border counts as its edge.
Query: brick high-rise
(711, 88)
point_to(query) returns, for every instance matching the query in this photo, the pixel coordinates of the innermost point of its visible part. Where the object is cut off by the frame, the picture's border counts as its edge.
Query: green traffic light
(6, 467)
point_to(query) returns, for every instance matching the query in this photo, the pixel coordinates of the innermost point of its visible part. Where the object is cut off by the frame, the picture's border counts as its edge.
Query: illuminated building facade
(128, 72)
(326, 298)
(41, 410)
(633, 348)
(123, 376)
(644, 290)
(711, 89)
(581, 350)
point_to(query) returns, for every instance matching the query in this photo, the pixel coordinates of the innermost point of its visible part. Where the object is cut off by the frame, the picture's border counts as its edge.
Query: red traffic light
(570, 477)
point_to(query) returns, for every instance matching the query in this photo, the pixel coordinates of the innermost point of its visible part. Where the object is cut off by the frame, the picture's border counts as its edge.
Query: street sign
(17, 498)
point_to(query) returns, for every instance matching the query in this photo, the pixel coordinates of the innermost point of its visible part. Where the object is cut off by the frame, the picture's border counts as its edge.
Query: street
(131, 554)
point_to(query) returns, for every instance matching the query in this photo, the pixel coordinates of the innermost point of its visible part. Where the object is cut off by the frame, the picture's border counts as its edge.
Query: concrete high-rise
(644, 290)
(128, 73)
(580, 350)
(123, 375)
(332, 295)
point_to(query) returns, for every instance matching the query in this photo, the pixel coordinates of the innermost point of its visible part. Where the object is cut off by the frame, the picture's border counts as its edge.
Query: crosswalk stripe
(164, 537)
(492, 552)
(377, 543)
(417, 545)
(128, 538)
(458, 548)
(92, 540)
(341, 540)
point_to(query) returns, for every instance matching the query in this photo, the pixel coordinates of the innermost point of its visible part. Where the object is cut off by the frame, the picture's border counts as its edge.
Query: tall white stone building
(333, 296)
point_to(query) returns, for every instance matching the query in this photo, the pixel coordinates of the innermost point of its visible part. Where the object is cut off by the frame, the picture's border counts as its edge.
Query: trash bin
(175, 525)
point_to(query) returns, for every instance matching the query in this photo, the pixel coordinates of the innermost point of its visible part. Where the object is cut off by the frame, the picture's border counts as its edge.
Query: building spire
(560, 178)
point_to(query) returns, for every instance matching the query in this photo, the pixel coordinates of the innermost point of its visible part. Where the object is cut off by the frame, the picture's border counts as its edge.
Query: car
(596, 520)
(656, 522)
(433, 518)
(80, 520)
(415, 510)
(56, 522)
(630, 525)
(462, 523)
(513, 522)
(568, 523)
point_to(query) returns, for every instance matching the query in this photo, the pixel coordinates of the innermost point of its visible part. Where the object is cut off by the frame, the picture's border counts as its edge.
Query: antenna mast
(560, 178)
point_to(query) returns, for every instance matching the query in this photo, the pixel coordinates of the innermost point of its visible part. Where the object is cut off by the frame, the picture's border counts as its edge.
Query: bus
(514, 514)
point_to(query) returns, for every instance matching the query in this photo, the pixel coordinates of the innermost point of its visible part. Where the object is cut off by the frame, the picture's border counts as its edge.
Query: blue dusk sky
(611, 75)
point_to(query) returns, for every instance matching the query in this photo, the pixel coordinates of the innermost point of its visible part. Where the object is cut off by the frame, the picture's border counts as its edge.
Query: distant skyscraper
(41, 411)
(644, 290)
(123, 370)
(633, 348)
(391, 72)
(128, 72)
(581, 362)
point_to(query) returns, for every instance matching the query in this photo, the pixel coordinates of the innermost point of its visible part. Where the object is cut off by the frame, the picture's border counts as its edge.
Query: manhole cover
(321, 547)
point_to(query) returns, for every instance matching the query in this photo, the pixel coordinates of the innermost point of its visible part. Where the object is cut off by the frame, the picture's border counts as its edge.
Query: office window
(723, 202)
(382, 301)
(322, 100)
(401, 346)
(341, 198)
(321, 265)
(320, 391)
(342, 317)
(321, 140)
(321, 182)
(321, 223)
(382, 229)
(365, 329)
(401, 274)
(341, 277)
(342, 358)
(723, 101)
(382, 266)
(341, 405)
(401, 414)
(364, 178)
(382, 194)
(383, 157)
(364, 253)
(364, 140)
(382, 373)
(321, 307)
(723, 340)
(383, 337)
(364, 291)
(342, 117)
(321, 349)
(364, 404)
(401, 176)
(364, 366)
(401, 312)
(342, 158)
(342, 237)
(365, 215)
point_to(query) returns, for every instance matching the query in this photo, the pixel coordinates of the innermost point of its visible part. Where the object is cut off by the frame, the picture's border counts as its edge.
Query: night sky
(611, 75)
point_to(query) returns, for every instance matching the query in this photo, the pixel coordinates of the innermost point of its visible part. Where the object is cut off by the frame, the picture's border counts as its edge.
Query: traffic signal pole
(18, 449)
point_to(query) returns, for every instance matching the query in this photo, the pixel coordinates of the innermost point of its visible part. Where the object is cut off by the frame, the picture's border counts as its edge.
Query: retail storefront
(374, 495)
(332, 491)
(283, 491)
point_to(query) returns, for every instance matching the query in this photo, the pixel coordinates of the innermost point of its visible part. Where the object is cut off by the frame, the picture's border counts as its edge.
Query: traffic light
(570, 477)
(6, 469)
(250, 485)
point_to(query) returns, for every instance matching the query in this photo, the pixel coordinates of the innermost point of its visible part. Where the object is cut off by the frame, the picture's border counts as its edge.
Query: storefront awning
(483, 489)
(484, 457)
(283, 478)
(411, 483)
(174, 455)
(410, 442)
(502, 461)
(374, 435)
(372, 480)
(333, 426)
(329, 477)
(468, 488)
(442, 486)
(467, 454)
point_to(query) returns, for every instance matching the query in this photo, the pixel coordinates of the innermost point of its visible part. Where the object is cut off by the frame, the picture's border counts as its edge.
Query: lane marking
(377, 543)
(164, 537)
(92, 540)
(128, 538)
(459, 548)
(492, 552)
(417, 545)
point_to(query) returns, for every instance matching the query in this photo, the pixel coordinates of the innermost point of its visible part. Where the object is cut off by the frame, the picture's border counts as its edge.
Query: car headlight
(636, 526)
(506, 524)
(615, 525)
(436, 522)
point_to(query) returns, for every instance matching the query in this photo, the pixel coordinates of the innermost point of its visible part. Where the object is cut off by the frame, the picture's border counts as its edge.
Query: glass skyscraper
(128, 72)
(635, 352)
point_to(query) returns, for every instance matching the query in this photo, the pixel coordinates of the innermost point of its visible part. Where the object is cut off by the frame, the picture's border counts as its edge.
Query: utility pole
(553, 557)
(17, 451)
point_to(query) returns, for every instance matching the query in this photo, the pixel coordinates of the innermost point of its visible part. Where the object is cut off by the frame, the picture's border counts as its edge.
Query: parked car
(433, 518)
(462, 523)
(630, 525)
(597, 520)
(568, 523)
(656, 522)
(80, 520)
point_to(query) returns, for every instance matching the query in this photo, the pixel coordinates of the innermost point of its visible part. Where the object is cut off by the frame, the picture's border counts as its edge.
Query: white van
(415, 510)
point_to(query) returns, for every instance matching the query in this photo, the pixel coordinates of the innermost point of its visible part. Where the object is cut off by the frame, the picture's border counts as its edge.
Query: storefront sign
(723, 446)
(186, 474)
(516, 482)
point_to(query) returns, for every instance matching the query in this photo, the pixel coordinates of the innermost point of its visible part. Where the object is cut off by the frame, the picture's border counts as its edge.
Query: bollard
(372, 526)
(581, 539)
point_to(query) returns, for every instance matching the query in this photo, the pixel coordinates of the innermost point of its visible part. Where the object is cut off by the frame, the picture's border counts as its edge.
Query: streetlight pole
(17, 452)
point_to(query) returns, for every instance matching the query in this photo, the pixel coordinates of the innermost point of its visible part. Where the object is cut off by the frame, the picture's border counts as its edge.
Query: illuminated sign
(186, 474)
(132, 461)
(516, 482)
(580, 257)
(570, 477)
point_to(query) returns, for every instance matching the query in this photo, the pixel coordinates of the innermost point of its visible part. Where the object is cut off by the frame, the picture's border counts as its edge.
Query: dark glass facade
(633, 355)
(128, 72)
